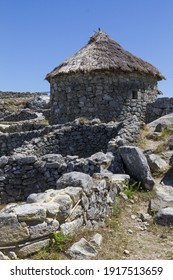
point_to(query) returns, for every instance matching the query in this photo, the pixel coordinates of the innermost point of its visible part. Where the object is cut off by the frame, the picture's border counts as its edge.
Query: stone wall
(10, 141)
(159, 108)
(22, 175)
(13, 94)
(107, 96)
(72, 139)
(82, 138)
(78, 201)
(37, 165)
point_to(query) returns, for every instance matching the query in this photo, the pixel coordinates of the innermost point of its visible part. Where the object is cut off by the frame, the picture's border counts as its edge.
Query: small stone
(96, 240)
(163, 236)
(130, 231)
(126, 252)
(3, 257)
(123, 195)
(12, 255)
(145, 217)
(133, 217)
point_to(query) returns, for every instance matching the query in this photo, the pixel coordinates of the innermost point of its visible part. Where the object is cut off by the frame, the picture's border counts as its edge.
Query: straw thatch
(103, 53)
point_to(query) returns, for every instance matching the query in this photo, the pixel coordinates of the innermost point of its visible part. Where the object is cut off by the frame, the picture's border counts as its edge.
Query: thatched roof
(103, 53)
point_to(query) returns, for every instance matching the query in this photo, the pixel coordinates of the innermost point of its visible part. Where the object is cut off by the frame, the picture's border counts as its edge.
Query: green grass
(61, 240)
(132, 189)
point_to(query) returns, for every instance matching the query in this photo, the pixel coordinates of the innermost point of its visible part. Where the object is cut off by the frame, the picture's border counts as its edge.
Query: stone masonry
(104, 95)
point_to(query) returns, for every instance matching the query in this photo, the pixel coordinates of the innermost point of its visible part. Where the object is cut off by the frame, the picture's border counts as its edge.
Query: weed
(60, 240)
(116, 210)
(132, 189)
(48, 253)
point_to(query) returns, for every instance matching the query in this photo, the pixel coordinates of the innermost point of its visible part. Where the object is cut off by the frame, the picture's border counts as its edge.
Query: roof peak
(99, 36)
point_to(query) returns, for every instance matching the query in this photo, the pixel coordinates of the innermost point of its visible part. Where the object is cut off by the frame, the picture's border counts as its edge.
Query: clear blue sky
(37, 35)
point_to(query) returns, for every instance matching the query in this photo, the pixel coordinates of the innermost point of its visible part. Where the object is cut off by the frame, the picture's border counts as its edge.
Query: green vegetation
(132, 189)
(60, 240)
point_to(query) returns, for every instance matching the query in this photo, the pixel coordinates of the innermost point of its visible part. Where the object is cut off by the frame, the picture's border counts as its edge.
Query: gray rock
(70, 228)
(38, 102)
(137, 166)
(164, 217)
(30, 212)
(96, 240)
(76, 179)
(12, 231)
(156, 163)
(112, 177)
(165, 120)
(160, 127)
(156, 204)
(104, 160)
(32, 248)
(171, 161)
(82, 250)
(76, 212)
(53, 158)
(40, 197)
(3, 257)
(24, 159)
(12, 255)
(74, 193)
(43, 229)
(3, 161)
(145, 217)
(164, 198)
(65, 205)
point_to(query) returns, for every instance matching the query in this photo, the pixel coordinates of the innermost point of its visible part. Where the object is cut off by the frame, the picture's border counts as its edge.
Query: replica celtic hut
(102, 80)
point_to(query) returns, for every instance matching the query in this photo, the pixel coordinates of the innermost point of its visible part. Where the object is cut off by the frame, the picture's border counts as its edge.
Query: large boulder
(164, 217)
(156, 163)
(76, 179)
(136, 166)
(163, 121)
(163, 199)
(11, 231)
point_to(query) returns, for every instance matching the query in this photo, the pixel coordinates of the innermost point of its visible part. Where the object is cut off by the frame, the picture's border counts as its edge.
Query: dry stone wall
(78, 139)
(37, 165)
(22, 175)
(13, 94)
(78, 201)
(104, 95)
(10, 141)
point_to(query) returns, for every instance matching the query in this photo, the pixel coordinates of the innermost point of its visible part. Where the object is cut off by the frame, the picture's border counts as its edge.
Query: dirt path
(127, 237)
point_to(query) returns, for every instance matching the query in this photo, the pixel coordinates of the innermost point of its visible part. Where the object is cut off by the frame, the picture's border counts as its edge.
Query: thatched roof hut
(102, 80)
(103, 53)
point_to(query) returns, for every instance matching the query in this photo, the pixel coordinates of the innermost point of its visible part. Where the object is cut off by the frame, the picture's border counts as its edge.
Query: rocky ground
(131, 232)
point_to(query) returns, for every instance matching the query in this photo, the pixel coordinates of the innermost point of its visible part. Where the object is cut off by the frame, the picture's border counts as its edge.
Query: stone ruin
(63, 177)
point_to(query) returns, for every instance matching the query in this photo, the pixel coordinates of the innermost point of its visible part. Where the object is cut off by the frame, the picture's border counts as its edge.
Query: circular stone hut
(102, 80)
